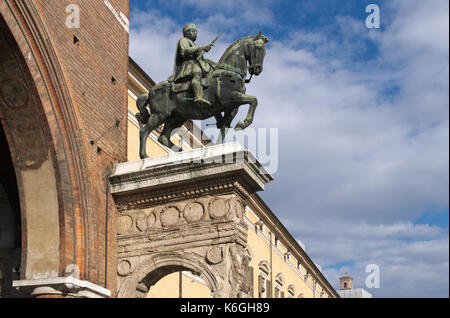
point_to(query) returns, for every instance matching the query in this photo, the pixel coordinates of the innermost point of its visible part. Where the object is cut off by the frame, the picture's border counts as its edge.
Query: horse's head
(256, 52)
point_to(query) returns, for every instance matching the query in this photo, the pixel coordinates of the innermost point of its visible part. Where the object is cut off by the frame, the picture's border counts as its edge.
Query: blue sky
(363, 124)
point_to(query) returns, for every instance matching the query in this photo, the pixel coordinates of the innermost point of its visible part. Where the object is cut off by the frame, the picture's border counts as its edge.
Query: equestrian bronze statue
(200, 88)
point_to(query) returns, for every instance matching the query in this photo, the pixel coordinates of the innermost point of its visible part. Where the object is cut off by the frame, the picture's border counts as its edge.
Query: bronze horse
(224, 89)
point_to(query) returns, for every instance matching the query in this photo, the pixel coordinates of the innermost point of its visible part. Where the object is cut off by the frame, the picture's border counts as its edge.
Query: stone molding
(189, 166)
(69, 287)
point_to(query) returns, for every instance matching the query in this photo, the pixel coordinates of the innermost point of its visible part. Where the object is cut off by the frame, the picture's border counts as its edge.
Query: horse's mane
(233, 45)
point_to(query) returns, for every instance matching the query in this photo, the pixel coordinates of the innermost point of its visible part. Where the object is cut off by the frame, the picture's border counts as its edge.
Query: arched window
(291, 291)
(264, 283)
(279, 282)
(287, 256)
(259, 226)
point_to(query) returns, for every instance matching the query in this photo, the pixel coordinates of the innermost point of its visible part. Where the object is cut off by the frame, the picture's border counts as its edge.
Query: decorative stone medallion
(124, 224)
(151, 219)
(240, 208)
(141, 222)
(170, 216)
(124, 268)
(14, 93)
(215, 255)
(193, 212)
(218, 208)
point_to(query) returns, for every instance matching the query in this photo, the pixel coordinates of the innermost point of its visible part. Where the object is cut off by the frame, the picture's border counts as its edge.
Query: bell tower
(346, 282)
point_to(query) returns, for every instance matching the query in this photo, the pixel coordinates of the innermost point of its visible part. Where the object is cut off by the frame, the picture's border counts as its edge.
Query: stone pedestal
(185, 211)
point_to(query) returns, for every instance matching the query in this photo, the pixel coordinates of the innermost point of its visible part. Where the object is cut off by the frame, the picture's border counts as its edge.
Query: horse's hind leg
(153, 122)
(171, 124)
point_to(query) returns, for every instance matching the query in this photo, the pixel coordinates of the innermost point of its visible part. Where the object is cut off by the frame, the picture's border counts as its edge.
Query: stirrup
(201, 101)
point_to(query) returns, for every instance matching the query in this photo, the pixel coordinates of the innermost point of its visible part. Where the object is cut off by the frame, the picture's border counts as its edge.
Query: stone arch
(142, 278)
(58, 155)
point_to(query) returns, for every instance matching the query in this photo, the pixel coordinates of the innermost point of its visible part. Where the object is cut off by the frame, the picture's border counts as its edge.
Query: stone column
(185, 211)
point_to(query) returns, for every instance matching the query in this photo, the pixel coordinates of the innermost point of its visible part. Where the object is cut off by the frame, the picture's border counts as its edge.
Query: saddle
(184, 86)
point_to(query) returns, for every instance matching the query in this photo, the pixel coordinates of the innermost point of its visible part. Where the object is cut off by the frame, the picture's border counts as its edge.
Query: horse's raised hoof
(240, 126)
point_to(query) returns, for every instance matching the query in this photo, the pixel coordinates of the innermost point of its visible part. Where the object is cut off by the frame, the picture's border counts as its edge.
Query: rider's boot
(198, 91)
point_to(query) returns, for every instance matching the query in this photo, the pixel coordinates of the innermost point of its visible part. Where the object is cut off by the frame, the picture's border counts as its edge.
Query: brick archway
(77, 92)
(37, 115)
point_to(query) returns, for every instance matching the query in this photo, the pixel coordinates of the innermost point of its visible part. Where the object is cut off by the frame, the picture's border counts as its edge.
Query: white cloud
(356, 165)
(415, 269)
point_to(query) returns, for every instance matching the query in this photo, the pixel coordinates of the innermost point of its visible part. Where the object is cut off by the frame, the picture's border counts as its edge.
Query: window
(279, 282)
(278, 291)
(264, 284)
(291, 291)
(287, 256)
(307, 276)
(259, 226)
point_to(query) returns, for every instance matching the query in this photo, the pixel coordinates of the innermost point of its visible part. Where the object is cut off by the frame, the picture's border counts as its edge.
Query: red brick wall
(95, 105)
(89, 66)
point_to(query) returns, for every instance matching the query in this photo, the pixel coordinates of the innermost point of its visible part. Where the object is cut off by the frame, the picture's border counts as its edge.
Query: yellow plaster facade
(169, 287)
(279, 265)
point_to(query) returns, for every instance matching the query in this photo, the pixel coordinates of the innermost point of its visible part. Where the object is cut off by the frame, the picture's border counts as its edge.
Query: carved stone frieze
(207, 209)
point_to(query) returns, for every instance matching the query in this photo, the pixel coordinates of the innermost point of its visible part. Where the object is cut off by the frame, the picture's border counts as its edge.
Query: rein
(236, 70)
(230, 68)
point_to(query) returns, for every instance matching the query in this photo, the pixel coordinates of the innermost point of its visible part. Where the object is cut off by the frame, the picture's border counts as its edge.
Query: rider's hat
(188, 27)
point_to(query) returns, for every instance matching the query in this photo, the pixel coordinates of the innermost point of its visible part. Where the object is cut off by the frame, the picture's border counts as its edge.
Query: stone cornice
(220, 168)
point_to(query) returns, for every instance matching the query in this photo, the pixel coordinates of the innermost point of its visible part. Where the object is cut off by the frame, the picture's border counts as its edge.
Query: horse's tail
(141, 103)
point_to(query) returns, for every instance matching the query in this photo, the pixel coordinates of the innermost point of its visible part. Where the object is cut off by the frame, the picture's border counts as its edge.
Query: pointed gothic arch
(35, 102)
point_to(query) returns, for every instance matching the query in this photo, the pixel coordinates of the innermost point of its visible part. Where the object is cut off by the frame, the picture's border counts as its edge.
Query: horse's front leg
(247, 99)
(226, 124)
